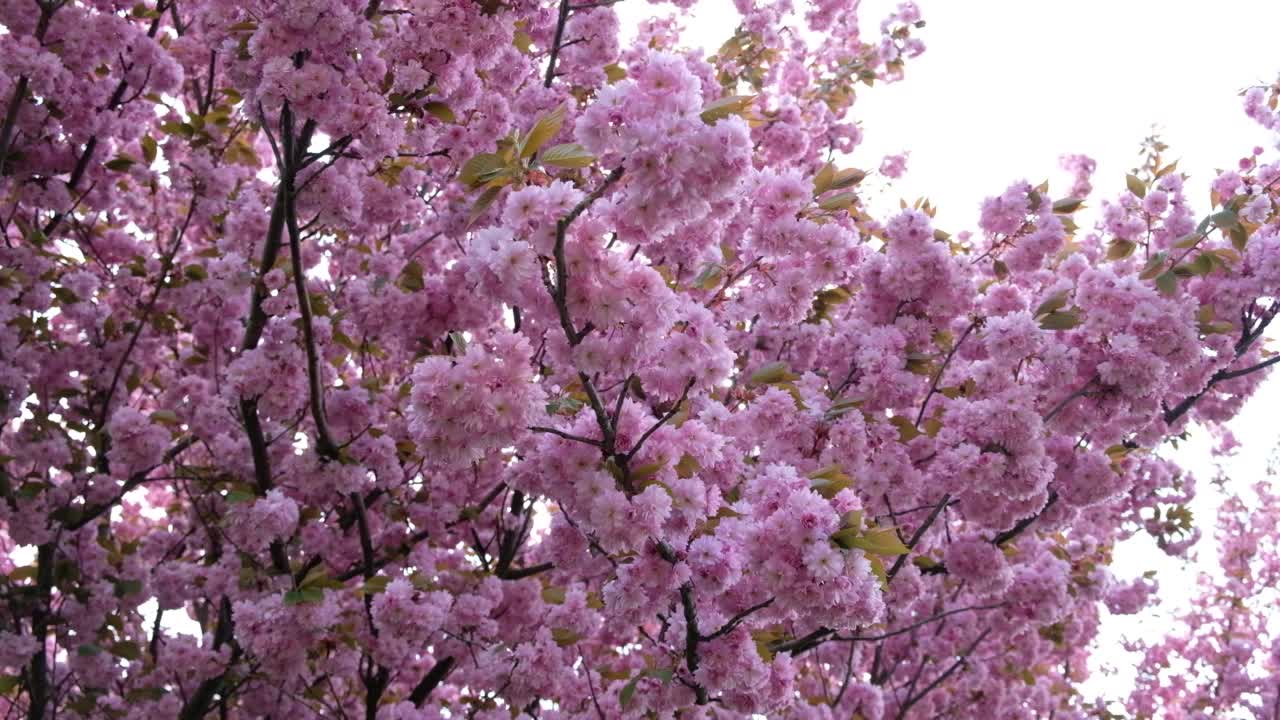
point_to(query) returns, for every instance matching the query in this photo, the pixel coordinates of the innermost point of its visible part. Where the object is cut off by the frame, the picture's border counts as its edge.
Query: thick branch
(1246, 371)
(1024, 523)
(691, 639)
(560, 292)
(38, 688)
(379, 563)
(325, 445)
(201, 701)
(11, 119)
(430, 681)
(556, 43)
(20, 89)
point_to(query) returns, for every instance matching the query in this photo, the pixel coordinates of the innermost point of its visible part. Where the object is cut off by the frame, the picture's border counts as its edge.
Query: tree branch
(917, 535)
(914, 626)
(691, 638)
(736, 620)
(964, 657)
(1248, 336)
(661, 421)
(937, 377)
(561, 19)
(430, 681)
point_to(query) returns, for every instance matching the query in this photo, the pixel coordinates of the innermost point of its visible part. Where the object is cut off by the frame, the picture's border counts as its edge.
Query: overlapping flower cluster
(413, 359)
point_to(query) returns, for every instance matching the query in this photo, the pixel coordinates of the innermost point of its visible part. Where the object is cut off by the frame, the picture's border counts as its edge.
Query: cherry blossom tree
(452, 358)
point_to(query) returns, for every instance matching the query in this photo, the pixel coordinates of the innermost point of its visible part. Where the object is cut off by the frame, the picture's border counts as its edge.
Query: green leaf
(881, 542)
(8, 683)
(1056, 301)
(125, 588)
(1239, 235)
(1153, 267)
(924, 562)
(440, 111)
(839, 201)
(666, 675)
(165, 417)
(459, 343)
(1167, 283)
(772, 373)
(847, 178)
(564, 636)
(822, 181)
(829, 481)
(877, 569)
(376, 584)
(482, 204)
(318, 577)
(120, 163)
(546, 128)
(89, 650)
(1066, 206)
(1120, 249)
(1225, 219)
(628, 691)
(481, 169)
(137, 695)
(553, 595)
(642, 473)
(614, 72)
(566, 155)
(709, 278)
(410, 279)
(126, 649)
(845, 537)
(149, 148)
(1135, 185)
(907, 431)
(687, 467)
(1061, 320)
(726, 106)
(565, 405)
(239, 496)
(1202, 265)
(304, 596)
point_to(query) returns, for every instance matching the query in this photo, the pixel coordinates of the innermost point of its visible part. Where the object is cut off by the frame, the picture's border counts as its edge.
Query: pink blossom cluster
(427, 358)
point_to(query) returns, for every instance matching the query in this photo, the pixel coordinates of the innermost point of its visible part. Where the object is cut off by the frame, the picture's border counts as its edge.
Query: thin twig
(917, 535)
(914, 626)
(736, 620)
(964, 657)
(937, 377)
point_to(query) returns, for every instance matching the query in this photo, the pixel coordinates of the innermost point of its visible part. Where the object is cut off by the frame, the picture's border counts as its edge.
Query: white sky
(1004, 89)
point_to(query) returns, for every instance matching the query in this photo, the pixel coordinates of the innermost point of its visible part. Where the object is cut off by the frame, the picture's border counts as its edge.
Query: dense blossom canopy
(452, 358)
